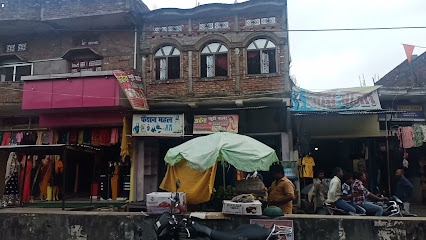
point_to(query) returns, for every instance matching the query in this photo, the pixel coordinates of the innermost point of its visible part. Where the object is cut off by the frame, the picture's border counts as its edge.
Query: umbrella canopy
(244, 153)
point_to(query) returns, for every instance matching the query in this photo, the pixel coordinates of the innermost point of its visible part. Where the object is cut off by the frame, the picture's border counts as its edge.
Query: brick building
(56, 79)
(215, 59)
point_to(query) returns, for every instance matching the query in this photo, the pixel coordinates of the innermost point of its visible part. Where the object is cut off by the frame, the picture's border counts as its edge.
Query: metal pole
(387, 154)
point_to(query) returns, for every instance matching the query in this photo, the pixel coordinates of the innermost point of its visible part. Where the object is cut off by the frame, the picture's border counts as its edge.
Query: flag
(408, 51)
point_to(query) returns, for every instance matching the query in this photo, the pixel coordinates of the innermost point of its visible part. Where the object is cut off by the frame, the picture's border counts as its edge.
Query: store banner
(412, 113)
(132, 86)
(206, 124)
(170, 125)
(344, 99)
(409, 113)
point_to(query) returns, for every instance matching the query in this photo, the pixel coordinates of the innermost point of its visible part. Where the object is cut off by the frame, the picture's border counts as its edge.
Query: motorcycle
(169, 227)
(394, 207)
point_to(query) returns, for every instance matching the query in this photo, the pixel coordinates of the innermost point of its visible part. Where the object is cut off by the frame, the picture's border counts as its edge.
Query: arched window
(167, 63)
(261, 57)
(214, 60)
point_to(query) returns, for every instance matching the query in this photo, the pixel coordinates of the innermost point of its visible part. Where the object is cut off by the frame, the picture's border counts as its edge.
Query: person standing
(334, 195)
(362, 193)
(404, 189)
(281, 192)
(318, 193)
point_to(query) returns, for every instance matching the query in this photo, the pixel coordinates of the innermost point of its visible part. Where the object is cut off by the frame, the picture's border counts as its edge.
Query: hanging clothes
(45, 173)
(406, 136)
(64, 137)
(76, 179)
(87, 137)
(12, 139)
(80, 137)
(6, 139)
(418, 136)
(19, 137)
(25, 179)
(55, 137)
(105, 136)
(45, 138)
(11, 191)
(197, 185)
(114, 136)
(1, 137)
(29, 138)
(307, 165)
(96, 137)
(115, 182)
(39, 140)
(35, 178)
(59, 170)
(423, 127)
(73, 137)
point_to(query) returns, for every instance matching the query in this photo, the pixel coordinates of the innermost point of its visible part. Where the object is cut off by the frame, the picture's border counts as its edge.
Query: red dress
(26, 194)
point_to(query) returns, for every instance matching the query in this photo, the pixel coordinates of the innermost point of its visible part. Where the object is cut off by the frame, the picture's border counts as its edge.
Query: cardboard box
(252, 209)
(159, 203)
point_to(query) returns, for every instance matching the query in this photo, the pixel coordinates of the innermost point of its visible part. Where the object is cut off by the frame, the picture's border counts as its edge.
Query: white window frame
(261, 49)
(214, 54)
(166, 57)
(15, 65)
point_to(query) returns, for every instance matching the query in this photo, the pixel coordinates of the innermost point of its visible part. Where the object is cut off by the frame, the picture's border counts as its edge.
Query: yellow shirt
(278, 190)
(308, 164)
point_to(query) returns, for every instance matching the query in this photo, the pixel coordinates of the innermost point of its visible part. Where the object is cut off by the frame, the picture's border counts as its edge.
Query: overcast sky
(339, 59)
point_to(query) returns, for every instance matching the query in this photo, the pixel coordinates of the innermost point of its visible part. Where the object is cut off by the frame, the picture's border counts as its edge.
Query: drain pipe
(135, 49)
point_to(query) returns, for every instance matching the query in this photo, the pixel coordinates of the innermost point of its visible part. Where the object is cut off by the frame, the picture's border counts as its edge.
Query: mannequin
(57, 178)
(45, 177)
(11, 193)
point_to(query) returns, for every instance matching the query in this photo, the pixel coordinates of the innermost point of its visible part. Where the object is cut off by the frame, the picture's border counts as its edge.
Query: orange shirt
(278, 190)
(59, 166)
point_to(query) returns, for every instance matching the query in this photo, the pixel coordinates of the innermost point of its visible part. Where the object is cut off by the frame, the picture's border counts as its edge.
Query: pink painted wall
(99, 118)
(71, 93)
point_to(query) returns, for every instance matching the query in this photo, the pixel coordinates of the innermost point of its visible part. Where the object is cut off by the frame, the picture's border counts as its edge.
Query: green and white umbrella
(242, 152)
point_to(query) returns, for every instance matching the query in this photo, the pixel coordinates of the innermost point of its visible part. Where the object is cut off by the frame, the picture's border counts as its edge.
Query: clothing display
(114, 136)
(19, 137)
(12, 139)
(115, 182)
(73, 137)
(197, 185)
(45, 174)
(80, 137)
(423, 127)
(406, 136)
(6, 139)
(25, 179)
(59, 170)
(29, 138)
(1, 137)
(39, 138)
(11, 192)
(306, 167)
(418, 136)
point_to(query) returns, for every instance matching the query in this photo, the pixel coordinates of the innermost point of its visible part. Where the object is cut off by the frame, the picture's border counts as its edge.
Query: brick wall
(192, 38)
(10, 93)
(115, 48)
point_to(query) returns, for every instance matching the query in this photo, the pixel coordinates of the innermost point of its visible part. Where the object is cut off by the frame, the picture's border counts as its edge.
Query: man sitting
(335, 193)
(363, 193)
(347, 195)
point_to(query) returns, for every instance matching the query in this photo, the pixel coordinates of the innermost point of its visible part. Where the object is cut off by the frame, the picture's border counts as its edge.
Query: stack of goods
(244, 204)
(253, 186)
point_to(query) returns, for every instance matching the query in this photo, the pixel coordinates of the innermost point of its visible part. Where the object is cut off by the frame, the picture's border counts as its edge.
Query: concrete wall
(95, 225)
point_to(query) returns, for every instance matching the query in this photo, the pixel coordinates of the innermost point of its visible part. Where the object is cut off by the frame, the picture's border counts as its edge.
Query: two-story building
(213, 64)
(56, 79)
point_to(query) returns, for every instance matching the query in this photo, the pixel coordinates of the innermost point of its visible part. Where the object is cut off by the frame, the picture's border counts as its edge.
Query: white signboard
(158, 125)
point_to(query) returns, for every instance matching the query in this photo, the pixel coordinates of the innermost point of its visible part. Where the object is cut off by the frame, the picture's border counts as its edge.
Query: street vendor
(281, 192)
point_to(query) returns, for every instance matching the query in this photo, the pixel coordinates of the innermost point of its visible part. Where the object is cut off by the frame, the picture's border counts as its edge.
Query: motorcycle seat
(243, 232)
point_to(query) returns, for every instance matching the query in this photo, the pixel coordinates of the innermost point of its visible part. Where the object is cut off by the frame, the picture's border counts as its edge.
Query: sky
(326, 60)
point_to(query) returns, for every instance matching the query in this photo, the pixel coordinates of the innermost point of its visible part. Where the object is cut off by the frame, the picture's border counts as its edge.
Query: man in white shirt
(335, 193)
